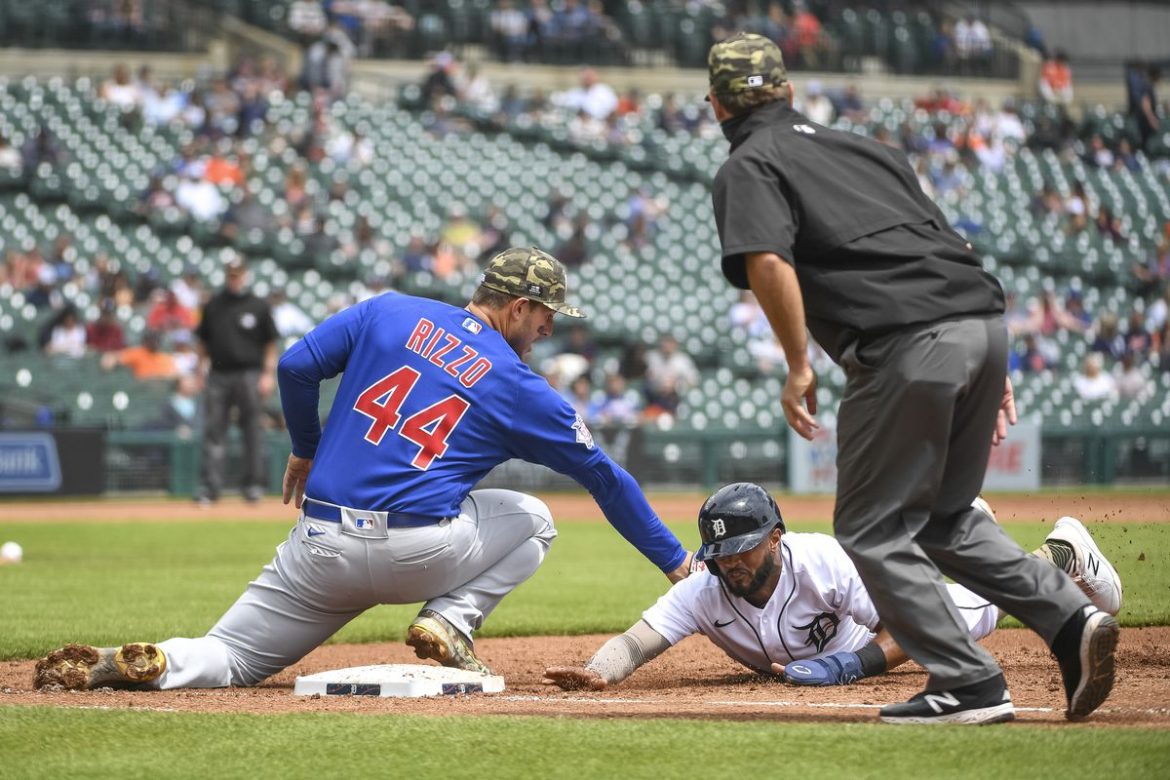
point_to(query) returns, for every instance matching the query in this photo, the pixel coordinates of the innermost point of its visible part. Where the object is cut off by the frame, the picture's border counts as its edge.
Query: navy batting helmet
(736, 518)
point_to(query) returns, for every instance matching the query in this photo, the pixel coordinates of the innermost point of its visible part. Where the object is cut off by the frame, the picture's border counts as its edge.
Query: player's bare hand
(1006, 415)
(296, 474)
(686, 568)
(800, 392)
(574, 678)
(265, 386)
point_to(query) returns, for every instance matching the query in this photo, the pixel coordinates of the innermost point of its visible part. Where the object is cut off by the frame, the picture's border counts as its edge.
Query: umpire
(831, 231)
(238, 343)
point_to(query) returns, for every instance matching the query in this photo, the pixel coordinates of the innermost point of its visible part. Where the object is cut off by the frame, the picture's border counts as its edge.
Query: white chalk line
(814, 705)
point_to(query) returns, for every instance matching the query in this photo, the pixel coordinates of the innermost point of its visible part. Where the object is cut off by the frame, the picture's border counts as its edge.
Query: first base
(399, 680)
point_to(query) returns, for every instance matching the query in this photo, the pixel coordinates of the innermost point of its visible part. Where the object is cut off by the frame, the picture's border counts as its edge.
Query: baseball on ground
(11, 552)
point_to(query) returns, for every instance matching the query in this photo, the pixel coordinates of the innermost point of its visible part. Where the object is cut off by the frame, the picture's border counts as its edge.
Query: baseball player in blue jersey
(431, 399)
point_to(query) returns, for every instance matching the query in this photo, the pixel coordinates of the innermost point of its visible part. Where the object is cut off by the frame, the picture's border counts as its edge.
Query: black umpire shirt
(236, 330)
(872, 252)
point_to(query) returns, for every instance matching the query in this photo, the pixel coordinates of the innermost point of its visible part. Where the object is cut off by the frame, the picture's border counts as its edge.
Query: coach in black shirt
(238, 342)
(831, 231)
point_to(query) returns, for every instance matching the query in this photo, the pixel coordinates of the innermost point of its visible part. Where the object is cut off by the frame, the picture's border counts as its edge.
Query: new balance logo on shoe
(939, 701)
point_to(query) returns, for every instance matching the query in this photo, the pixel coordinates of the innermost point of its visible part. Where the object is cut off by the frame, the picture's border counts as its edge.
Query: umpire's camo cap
(527, 272)
(743, 63)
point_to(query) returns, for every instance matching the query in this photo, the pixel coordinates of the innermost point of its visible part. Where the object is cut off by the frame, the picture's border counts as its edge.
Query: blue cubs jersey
(431, 399)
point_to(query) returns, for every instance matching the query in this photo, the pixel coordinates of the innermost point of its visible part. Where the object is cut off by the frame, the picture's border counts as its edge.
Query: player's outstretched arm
(615, 661)
(845, 668)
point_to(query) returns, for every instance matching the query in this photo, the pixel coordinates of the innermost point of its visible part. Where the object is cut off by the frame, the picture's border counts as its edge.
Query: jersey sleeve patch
(583, 434)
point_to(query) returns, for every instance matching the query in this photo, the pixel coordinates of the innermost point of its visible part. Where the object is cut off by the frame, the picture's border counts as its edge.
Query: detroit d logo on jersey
(821, 629)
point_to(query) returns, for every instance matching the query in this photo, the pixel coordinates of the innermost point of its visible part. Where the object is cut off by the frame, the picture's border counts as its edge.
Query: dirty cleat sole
(1096, 668)
(434, 639)
(84, 667)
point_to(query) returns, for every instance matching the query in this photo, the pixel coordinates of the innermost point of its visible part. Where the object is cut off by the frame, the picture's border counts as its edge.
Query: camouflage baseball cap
(527, 272)
(745, 62)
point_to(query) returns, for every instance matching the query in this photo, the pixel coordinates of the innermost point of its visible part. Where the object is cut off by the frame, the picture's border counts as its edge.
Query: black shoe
(981, 702)
(1084, 649)
(253, 494)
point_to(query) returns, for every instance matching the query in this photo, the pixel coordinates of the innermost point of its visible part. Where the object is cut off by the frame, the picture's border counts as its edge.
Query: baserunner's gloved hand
(836, 669)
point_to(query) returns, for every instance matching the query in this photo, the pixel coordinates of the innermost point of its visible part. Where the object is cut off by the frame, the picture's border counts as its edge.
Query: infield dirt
(692, 680)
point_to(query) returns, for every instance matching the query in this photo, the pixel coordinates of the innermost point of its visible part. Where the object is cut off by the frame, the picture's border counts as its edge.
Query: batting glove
(835, 669)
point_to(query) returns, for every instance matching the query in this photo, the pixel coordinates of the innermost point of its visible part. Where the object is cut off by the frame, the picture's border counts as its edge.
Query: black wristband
(873, 660)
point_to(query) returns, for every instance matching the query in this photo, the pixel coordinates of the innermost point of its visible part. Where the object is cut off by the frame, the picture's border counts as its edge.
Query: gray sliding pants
(913, 440)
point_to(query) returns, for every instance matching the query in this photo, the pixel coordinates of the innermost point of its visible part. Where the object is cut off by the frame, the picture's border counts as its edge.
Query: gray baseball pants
(328, 573)
(914, 435)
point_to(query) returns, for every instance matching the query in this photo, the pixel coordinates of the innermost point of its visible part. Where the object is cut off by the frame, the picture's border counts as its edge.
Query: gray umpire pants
(913, 440)
(327, 574)
(227, 390)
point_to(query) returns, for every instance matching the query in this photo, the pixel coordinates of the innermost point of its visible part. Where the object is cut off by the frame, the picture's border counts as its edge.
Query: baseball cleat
(1087, 668)
(983, 702)
(1092, 571)
(83, 667)
(433, 637)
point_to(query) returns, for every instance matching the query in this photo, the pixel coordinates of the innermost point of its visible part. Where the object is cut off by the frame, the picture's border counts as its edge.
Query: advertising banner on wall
(52, 462)
(1014, 464)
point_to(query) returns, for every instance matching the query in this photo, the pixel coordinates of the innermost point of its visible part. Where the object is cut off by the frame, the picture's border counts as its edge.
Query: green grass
(54, 743)
(74, 583)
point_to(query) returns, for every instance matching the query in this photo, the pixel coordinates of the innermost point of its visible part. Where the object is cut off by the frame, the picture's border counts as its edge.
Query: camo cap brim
(743, 63)
(527, 272)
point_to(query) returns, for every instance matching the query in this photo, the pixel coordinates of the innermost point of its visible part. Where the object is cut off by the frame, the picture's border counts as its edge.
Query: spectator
(1107, 338)
(811, 44)
(120, 90)
(1055, 83)
(1098, 154)
(1108, 225)
(1155, 271)
(476, 92)
(199, 198)
(189, 289)
(306, 18)
(851, 104)
(1164, 348)
(41, 148)
(1047, 201)
(1131, 382)
(579, 394)
(66, 335)
(146, 361)
(1125, 158)
(669, 374)
(247, 219)
(509, 28)
(290, 320)
(1030, 359)
(1093, 384)
(1142, 99)
(167, 314)
(617, 407)
(972, 44)
(184, 354)
(440, 81)
(817, 106)
(182, 412)
(595, 98)
(1076, 208)
(105, 334)
(1159, 311)
(1138, 340)
(10, 161)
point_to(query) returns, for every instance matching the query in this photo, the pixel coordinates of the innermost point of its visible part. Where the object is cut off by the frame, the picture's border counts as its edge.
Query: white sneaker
(1092, 571)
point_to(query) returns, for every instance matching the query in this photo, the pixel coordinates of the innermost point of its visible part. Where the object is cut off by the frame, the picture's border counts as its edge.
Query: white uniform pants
(328, 573)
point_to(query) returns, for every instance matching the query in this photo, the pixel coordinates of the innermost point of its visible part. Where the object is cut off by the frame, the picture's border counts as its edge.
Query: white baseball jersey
(819, 607)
